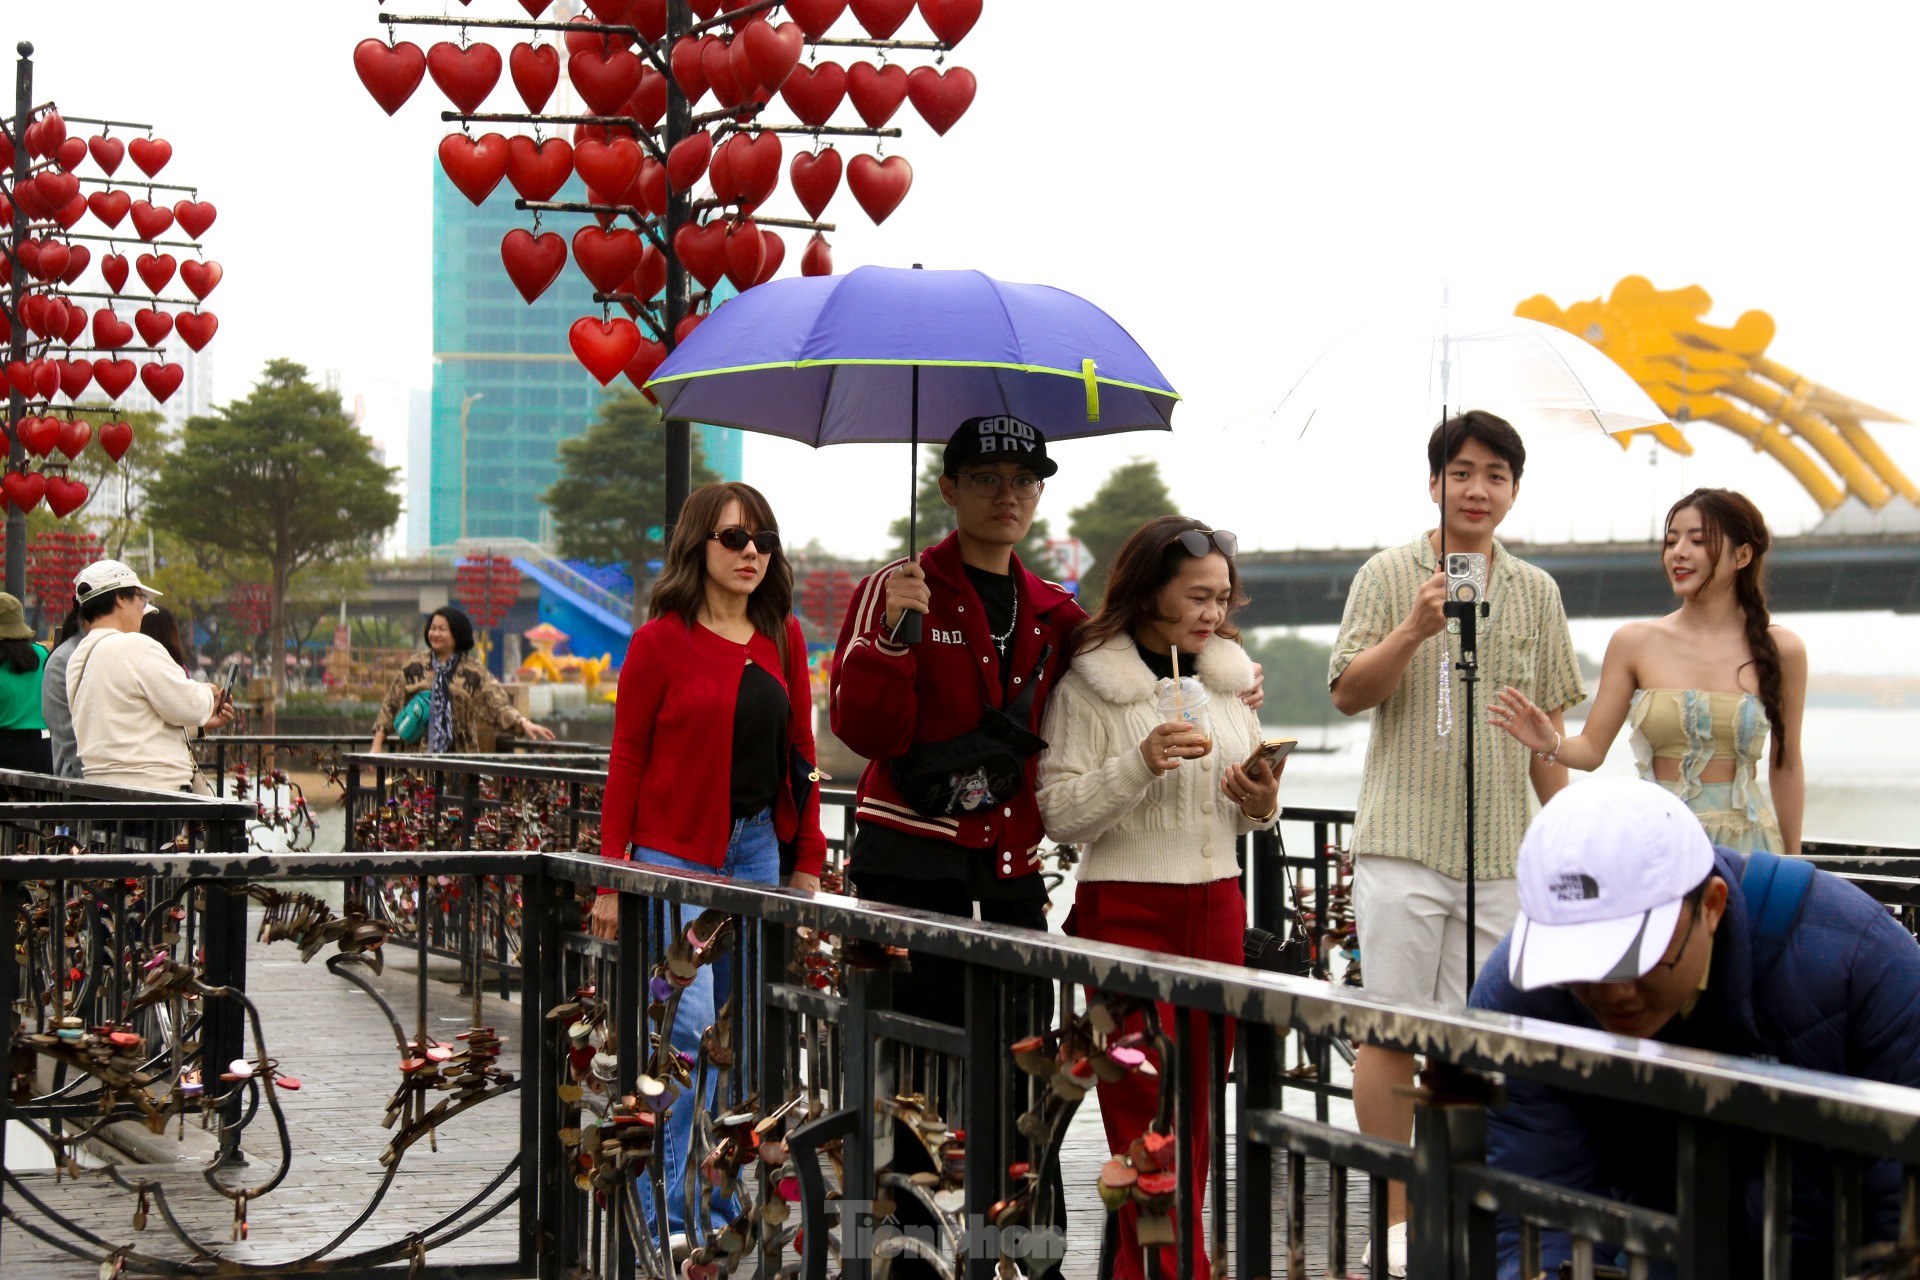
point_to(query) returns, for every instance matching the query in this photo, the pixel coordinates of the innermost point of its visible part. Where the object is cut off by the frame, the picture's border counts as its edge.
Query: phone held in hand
(1466, 576)
(1270, 753)
(224, 685)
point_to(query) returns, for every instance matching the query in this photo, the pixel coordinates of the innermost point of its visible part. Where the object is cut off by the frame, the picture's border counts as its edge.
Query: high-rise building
(508, 365)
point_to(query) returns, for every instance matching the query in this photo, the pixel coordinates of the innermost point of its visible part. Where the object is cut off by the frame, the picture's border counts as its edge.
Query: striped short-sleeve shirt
(1413, 793)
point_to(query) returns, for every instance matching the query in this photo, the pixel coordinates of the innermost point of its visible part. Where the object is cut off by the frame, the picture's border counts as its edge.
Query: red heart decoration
(950, 20)
(649, 102)
(71, 212)
(20, 376)
(161, 380)
(110, 206)
(688, 323)
(815, 16)
(115, 439)
(608, 166)
(650, 17)
(24, 489)
(75, 317)
(156, 271)
(151, 154)
(745, 79)
(150, 222)
(746, 253)
(879, 185)
(881, 18)
(607, 258)
(194, 217)
(71, 153)
(114, 376)
(52, 261)
(705, 9)
(532, 264)
(688, 160)
(55, 189)
(684, 61)
(26, 193)
(113, 268)
(537, 171)
(877, 92)
(815, 178)
(38, 436)
(201, 278)
(720, 176)
(53, 132)
(466, 75)
(78, 258)
(64, 496)
(33, 311)
(774, 254)
(110, 331)
(603, 346)
(652, 186)
(46, 377)
(474, 165)
(756, 166)
(603, 217)
(579, 41)
(154, 326)
(197, 328)
(941, 99)
(75, 436)
(648, 358)
(702, 250)
(815, 93)
(716, 61)
(650, 277)
(107, 153)
(536, 70)
(612, 12)
(28, 254)
(535, 8)
(391, 74)
(74, 377)
(605, 78)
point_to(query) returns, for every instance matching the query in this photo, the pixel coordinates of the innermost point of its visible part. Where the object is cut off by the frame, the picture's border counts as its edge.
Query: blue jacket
(1844, 998)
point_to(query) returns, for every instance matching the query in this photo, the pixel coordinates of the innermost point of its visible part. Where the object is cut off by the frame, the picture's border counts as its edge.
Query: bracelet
(1553, 755)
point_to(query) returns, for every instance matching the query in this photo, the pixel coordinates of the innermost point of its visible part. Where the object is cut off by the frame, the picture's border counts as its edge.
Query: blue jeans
(753, 856)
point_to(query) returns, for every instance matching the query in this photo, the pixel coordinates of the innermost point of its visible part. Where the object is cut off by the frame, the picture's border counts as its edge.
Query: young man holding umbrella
(1409, 839)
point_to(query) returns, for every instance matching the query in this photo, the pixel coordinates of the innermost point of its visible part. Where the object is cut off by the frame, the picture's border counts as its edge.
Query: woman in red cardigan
(714, 709)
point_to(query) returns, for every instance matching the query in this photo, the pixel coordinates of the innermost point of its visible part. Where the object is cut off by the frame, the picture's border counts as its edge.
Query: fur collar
(1116, 673)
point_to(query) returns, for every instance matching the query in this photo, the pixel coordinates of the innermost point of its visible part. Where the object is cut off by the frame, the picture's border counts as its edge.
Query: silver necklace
(1000, 641)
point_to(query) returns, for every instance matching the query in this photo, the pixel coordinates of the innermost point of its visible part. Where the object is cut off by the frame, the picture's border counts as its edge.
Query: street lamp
(466, 403)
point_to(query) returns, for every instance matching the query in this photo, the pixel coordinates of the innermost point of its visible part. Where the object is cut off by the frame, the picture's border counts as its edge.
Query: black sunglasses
(1195, 542)
(735, 538)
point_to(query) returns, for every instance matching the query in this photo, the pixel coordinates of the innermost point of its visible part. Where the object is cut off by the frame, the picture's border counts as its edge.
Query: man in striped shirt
(1394, 657)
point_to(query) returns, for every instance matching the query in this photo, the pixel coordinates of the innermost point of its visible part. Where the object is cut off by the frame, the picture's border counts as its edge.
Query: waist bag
(985, 766)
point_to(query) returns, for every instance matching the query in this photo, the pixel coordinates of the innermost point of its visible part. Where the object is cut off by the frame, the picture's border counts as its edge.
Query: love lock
(773, 1211)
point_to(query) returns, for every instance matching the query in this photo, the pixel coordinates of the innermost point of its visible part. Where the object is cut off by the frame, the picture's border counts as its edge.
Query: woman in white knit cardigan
(1157, 805)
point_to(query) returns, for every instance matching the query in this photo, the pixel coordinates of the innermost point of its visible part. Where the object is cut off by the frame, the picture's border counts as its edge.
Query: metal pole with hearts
(42, 206)
(641, 67)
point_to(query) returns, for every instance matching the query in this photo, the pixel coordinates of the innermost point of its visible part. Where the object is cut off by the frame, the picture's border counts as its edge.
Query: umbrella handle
(907, 630)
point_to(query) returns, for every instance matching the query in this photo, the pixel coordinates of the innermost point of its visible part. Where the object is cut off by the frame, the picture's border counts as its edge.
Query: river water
(1863, 770)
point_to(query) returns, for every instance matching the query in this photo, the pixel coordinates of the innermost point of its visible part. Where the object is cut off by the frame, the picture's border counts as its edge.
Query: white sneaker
(1396, 1251)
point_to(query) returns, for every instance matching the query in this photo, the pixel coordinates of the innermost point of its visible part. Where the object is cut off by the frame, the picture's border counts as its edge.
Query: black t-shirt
(1161, 664)
(997, 597)
(759, 728)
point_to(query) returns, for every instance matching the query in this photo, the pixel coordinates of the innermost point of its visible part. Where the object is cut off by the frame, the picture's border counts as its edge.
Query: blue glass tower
(531, 392)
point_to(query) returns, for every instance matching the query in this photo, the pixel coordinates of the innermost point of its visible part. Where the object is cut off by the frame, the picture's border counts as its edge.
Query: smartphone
(227, 674)
(1466, 576)
(1270, 753)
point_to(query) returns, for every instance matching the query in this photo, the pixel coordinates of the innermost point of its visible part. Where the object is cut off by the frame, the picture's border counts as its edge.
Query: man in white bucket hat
(1632, 922)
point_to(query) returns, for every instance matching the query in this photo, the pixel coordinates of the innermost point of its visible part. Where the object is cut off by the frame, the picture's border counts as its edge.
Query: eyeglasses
(988, 484)
(734, 538)
(1685, 938)
(1195, 542)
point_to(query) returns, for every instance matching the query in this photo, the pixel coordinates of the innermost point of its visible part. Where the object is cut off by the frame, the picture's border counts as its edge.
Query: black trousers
(29, 750)
(931, 990)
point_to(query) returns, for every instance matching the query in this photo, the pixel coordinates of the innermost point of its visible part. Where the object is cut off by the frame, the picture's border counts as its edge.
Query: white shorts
(1413, 928)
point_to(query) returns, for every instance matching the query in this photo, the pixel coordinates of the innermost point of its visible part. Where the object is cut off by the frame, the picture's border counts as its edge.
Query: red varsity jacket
(887, 697)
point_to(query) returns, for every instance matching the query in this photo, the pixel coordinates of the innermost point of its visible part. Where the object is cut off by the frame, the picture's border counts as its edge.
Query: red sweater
(669, 778)
(887, 698)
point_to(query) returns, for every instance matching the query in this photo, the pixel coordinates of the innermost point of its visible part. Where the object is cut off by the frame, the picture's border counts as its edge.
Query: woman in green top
(23, 731)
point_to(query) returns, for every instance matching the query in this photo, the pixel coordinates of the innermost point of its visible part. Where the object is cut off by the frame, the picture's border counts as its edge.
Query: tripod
(1468, 613)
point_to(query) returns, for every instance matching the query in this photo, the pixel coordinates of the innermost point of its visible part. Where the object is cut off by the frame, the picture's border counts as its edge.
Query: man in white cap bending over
(1631, 922)
(133, 708)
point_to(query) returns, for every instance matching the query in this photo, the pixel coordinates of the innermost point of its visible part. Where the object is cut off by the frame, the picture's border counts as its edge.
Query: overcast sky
(1237, 184)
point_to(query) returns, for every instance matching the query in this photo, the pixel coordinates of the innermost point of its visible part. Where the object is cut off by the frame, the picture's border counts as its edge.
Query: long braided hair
(1726, 516)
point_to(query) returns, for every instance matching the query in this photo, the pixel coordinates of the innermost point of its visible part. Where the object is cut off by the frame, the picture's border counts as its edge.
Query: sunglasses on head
(735, 538)
(1197, 542)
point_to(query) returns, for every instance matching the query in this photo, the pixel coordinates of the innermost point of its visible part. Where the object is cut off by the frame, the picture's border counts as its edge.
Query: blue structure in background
(488, 342)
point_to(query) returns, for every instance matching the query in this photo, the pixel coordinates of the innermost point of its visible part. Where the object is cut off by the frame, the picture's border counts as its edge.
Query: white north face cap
(1603, 870)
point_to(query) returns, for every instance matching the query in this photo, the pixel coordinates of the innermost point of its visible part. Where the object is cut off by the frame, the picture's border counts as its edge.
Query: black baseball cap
(1001, 438)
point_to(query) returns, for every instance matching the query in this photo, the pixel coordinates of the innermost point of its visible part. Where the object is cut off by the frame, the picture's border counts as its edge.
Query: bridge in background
(1810, 574)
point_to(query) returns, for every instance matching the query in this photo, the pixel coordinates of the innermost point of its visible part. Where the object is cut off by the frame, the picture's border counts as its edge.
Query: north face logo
(1575, 887)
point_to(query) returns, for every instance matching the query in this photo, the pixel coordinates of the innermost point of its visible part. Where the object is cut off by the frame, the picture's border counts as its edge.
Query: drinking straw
(1179, 690)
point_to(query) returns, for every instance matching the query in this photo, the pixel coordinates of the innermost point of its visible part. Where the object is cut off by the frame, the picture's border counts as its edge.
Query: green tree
(283, 478)
(1295, 671)
(607, 502)
(1127, 499)
(934, 519)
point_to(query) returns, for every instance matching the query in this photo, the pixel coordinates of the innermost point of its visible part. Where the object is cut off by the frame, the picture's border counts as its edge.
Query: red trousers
(1206, 922)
